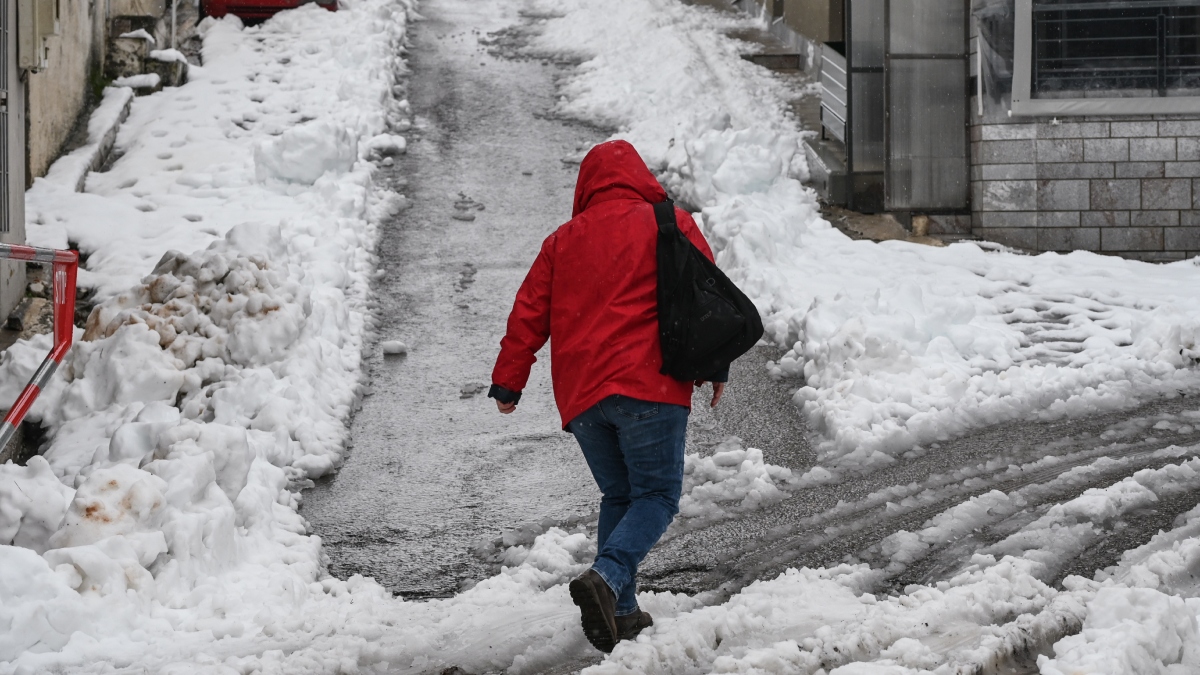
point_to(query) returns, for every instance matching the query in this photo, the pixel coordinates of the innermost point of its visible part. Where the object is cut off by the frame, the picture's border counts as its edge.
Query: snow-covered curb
(71, 170)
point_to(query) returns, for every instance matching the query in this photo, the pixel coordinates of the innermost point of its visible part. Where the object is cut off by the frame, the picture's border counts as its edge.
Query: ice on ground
(394, 347)
(898, 344)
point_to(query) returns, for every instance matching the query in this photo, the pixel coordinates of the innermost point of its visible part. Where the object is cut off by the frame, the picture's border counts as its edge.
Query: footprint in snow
(471, 389)
(463, 207)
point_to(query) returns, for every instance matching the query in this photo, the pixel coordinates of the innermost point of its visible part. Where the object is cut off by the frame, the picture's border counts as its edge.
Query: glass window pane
(1145, 48)
(866, 33)
(929, 27)
(928, 162)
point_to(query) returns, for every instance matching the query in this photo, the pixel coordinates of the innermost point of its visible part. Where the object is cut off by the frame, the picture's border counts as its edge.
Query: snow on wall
(898, 344)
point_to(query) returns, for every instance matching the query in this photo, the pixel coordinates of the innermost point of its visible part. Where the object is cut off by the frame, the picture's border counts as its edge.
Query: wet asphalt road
(436, 476)
(435, 471)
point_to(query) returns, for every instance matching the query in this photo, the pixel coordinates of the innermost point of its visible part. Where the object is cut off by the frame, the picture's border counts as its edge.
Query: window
(1107, 57)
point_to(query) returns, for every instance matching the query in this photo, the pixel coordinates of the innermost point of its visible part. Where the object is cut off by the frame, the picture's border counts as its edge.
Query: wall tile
(1179, 128)
(1025, 238)
(1188, 149)
(1073, 130)
(1140, 169)
(1008, 171)
(1116, 195)
(1181, 238)
(1155, 218)
(1006, 152)
(1131, 239)
(1104, 219)
(1007, 132)
(1182, 170)
(1152, 149)
(1009, 195)
(1075, 170)
(1058, 219)
(1166, 193)
(1068, 238)
(1007, 219)
(1063, 195)
(1060, 150)
(1131, 129)
(1106, 150)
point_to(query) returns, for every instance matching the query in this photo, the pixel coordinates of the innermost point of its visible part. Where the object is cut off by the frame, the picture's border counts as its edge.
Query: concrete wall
(58, 94)
(1123, 185)
(818, 20)
(12, 274)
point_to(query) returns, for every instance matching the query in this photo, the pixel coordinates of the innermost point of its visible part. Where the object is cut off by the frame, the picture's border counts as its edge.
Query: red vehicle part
(66, 268)
(258, 9)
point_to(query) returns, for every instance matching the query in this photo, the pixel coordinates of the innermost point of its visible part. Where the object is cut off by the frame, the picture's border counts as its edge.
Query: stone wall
(59, 94)
(1128, 186)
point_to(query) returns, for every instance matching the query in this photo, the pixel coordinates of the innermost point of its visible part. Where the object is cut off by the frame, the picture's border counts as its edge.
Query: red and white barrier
(66, 268)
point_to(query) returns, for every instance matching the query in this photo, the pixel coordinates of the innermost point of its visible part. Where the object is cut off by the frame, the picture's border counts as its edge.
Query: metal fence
(65, 269)
(1150, 46)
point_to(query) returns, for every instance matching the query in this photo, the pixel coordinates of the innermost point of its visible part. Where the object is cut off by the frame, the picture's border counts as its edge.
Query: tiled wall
(1116, 185)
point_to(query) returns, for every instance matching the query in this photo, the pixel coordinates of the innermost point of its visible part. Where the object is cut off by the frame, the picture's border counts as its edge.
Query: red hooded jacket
(593, 288)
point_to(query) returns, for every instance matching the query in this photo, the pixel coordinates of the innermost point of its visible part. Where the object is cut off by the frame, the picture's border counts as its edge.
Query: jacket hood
(614, 170)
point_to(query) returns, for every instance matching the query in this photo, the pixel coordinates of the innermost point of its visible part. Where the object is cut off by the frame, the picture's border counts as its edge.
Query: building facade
(1047, 125)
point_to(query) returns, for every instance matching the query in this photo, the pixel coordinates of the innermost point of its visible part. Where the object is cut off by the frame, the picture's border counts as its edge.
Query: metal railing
(63, 274)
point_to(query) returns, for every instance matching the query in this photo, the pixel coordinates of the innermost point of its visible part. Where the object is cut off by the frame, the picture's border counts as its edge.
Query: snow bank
(807, 620)
(898, 344)
(730, 481)
(230, 247)
(1131, 630)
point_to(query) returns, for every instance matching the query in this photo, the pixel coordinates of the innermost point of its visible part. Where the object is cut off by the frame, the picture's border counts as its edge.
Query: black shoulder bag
(704, 320)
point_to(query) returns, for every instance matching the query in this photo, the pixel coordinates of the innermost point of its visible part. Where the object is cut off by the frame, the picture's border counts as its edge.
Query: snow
(230, 252)
(394, 347)
(168, 55)
(147, 81)
(139, 33)
(1131, 630)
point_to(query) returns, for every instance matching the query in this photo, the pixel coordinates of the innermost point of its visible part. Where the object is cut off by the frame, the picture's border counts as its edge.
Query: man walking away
(593, 288)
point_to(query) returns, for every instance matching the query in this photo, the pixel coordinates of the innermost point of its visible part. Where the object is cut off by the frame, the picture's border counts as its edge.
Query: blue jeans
(635, 451)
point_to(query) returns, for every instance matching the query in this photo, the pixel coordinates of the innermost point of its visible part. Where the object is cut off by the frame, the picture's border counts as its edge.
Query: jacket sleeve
(689, 229)
(528, 323)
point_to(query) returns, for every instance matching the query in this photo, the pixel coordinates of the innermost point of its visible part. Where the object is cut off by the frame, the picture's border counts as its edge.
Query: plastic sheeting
(995, 19)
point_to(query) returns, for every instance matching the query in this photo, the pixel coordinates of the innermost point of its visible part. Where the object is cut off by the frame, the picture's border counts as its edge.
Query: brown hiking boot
(597, 607)
(630, 625)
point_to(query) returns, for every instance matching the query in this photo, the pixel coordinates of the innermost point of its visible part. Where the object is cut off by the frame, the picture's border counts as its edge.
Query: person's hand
(507, 408)
(718, 390)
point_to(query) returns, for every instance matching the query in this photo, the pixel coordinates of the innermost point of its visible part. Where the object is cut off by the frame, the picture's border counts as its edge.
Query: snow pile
(808, 620)
(32, 504)
(1131, 630)
(899, 344)
(305, 153)
(732, 480)
(161, 524)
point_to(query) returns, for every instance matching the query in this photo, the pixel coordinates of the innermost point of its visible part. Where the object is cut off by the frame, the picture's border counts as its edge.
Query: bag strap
(664, 215)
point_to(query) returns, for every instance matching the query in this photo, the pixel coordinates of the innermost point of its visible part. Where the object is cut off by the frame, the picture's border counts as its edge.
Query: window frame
(1023, 103)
